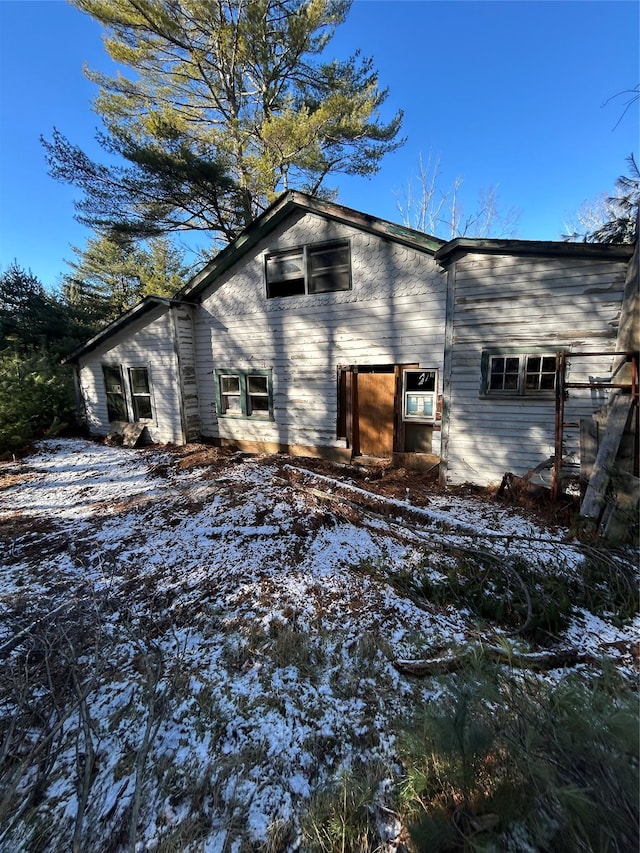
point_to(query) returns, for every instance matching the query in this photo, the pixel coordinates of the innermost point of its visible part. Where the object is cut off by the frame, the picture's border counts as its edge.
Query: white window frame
(420, 406)
(135, 394)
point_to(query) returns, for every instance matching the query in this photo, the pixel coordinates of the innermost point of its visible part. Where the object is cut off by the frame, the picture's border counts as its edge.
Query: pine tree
(111, 275)
(229, 102)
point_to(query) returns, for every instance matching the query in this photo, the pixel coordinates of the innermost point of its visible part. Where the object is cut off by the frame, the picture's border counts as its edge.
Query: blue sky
(511, 94)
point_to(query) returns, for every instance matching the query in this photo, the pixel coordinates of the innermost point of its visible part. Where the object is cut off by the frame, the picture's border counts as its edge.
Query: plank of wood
(625, 512)
(588, 450)
(594, 498)
(132, 433)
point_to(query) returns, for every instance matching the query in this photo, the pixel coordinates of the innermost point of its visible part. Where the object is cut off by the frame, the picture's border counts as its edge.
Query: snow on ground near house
(233, 632)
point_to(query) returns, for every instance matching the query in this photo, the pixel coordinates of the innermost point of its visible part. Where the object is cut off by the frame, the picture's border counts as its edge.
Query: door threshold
(371, 461)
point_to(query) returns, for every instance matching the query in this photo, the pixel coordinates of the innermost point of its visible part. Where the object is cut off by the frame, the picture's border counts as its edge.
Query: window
(140, 393)
(258, 396)
(113, 384)
(230, 395)
(518, 374)
(419, 395)
(311, 269)
(244, 393)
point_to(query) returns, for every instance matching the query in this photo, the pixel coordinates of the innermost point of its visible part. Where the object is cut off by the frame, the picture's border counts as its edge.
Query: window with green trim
(516, 374)
(244, 393)
(321, 268)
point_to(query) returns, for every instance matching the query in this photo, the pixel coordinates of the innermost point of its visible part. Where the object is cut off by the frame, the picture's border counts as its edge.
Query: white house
(324, 331)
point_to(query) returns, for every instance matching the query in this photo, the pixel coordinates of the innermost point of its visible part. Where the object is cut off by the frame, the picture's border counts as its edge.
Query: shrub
(36, 399)
(506, 762)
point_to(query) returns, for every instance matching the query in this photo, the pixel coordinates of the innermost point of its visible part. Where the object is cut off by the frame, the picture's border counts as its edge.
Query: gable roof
(119, 324)
(443, 251)
(282, 208)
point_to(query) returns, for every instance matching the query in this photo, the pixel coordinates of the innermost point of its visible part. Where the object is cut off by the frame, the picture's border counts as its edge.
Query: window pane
(142, 406)
(230, 384)
(549, 364)
(512, 365)
(329, 281)
(259, 405)
(139, 380)
(285, 266)
(329, 269)
(329, 257)
(116, 407)
(419, 406)
(293, 287)
(112, 380)
(257, 385)
(232, 405)
(547, 381)
(420, 380)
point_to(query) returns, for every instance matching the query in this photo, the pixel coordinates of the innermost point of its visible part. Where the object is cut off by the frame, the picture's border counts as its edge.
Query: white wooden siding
(149, 343)
(393, 314)
(518, 302)
(183, 330)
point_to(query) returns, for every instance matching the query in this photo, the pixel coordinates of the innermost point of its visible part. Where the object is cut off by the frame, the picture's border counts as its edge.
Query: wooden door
(376, 413)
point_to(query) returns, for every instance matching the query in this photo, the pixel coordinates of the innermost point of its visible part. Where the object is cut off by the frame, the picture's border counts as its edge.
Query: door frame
(348, 410)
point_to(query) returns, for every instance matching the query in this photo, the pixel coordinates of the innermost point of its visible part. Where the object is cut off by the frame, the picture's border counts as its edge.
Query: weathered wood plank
(594, 498)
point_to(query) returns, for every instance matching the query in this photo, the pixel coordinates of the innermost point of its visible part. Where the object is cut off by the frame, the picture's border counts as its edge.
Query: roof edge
(119, 323)
(464, 245)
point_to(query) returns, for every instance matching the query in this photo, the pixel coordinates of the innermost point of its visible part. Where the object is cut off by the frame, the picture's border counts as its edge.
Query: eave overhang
(455, 249)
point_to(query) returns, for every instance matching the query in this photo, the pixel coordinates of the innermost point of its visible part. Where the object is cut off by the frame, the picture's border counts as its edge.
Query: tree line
(39, 326)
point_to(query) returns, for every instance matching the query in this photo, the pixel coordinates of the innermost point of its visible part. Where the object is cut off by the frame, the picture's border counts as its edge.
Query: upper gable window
(311, 269)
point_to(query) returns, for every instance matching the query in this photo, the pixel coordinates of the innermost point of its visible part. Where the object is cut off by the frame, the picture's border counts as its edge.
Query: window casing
(419, 395)
(114, 388)
(321, 268)
(140, 393)
(244, 394)
(508, 374)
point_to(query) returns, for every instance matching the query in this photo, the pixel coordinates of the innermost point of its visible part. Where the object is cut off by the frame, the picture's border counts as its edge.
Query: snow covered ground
(191, 652)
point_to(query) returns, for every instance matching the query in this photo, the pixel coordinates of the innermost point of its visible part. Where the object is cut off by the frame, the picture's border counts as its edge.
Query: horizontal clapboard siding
(149, 343)
(183, 325)
(393, 314)
(520, 303)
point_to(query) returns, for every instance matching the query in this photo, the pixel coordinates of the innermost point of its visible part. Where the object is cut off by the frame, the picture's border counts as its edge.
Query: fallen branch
(536, 661)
